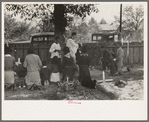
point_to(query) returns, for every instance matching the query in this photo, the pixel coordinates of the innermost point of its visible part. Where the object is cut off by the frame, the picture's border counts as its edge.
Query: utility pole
(120, 21)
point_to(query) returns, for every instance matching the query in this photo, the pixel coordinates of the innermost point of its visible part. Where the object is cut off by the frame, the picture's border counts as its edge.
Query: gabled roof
(103, 21)
(20, 42)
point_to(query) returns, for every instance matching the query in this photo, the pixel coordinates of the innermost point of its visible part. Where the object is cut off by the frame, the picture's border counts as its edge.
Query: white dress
(55, 77)
(72, 47)
(54, 47)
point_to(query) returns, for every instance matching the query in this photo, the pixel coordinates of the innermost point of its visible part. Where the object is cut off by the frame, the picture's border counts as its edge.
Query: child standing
(45, 74)
(22, 71)
(55, 75)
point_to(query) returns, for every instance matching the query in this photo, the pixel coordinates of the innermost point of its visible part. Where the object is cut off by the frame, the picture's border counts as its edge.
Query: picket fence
(136, 52)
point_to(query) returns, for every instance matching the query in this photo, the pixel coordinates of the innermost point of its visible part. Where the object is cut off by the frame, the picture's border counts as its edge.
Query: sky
(108, 10)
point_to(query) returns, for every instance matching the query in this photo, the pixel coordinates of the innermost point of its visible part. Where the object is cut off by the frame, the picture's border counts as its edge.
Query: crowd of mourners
(70, 63)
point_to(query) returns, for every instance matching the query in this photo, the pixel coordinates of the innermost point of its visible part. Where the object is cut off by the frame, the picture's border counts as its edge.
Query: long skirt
(9, 78)
(55, 77)
(33, 78)
(59, 65)
(85, 77)
(113, 69)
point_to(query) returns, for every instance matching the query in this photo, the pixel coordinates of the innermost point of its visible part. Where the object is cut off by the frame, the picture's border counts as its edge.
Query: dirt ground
(134, 89)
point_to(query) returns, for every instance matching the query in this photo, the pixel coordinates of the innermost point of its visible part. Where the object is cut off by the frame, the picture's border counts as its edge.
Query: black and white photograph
(74, 54)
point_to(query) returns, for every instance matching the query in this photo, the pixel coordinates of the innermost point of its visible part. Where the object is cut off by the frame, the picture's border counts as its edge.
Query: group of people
(73, 65)
(112, 60)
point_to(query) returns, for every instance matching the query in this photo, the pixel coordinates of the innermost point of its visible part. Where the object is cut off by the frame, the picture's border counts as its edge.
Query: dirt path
(132, 91)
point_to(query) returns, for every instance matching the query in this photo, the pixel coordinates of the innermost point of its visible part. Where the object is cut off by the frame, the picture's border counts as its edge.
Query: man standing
(72, 46)
(119, 58)
(106, 58)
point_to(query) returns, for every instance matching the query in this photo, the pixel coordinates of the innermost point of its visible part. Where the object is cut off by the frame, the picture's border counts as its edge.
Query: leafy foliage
(84, 30)
(9, 23)
(58, 14)
(132, 22)
(52, 12)
(14, 30)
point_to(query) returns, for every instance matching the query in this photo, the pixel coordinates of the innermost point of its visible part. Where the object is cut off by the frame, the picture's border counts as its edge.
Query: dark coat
(21, 71)
(45, 74)
(67, 67)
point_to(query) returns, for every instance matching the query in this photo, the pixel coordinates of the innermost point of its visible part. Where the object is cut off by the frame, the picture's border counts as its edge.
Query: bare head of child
(22, 60)
(66, 50)
(44, 63)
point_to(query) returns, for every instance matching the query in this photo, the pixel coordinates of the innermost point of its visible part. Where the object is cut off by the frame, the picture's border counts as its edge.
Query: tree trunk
(60, 22)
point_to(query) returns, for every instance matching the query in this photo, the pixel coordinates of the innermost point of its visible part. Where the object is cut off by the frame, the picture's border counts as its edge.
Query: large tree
(59, 14)
(132, 22)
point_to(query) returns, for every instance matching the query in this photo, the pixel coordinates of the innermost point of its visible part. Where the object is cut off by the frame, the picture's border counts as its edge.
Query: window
(40, 38)
(51, 38)
(94, 38)
(35, 39)
(99, 37)
(116, 38)
(45, 38)
(110, 36)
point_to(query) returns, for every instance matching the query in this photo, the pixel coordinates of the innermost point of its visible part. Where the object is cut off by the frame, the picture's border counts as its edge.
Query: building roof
(43, 33)
(103, 21)
(107, 33)
(20, 42)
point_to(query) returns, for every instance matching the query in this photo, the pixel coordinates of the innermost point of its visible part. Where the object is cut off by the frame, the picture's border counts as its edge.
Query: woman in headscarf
(9, 67)
(33, 64)
(84, 74)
